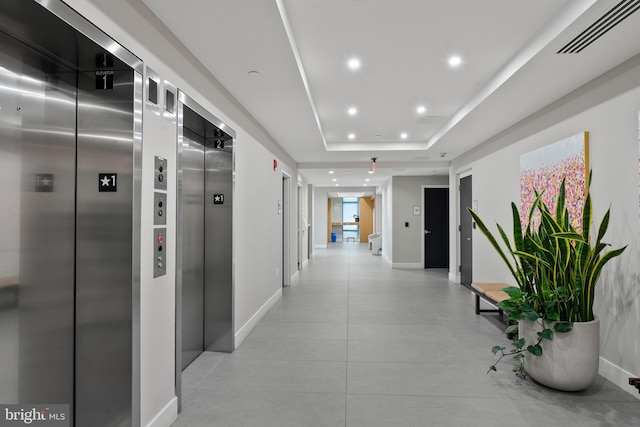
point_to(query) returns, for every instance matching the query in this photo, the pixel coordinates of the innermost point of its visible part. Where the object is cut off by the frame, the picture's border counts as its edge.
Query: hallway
(356, 343)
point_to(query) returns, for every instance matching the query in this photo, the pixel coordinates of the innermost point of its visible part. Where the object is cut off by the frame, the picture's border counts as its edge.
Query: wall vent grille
(600, 27)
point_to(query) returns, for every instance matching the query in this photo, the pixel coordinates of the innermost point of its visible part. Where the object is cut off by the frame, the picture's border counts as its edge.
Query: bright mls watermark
(34, 415)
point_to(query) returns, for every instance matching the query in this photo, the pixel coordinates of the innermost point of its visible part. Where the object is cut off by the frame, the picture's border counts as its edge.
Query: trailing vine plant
(556, 268)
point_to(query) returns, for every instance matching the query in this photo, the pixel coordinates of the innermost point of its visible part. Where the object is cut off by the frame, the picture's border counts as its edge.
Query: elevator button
(159, 208)
(159, 265)
(160, 238)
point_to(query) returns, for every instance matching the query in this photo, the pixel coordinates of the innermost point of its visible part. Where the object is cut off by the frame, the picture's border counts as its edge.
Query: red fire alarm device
(275, 165)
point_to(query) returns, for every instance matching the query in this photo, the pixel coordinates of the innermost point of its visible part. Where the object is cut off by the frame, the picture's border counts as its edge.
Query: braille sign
(107, 182)
(218, 199)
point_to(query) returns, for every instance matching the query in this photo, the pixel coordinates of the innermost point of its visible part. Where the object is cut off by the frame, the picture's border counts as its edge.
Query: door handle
(469, 238)
(427, 232)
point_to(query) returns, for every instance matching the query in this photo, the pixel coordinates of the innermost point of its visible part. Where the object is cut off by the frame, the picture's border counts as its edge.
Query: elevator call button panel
(160, 208)
(160, 173)
(159, 253)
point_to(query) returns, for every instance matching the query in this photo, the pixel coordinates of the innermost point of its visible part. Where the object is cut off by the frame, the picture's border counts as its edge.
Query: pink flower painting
(542, 170)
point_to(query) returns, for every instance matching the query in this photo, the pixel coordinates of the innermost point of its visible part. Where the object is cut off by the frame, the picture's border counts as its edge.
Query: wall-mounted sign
(104, 71)
(107, 182)
(44, 183)
(218, 143)
(416, 210)
(218, 199)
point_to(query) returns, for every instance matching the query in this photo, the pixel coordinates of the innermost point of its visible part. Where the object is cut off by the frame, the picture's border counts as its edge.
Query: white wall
(408, 241)
(320, 201)
(608, 109)
(256, 283)
(387, 221)
(258, 235)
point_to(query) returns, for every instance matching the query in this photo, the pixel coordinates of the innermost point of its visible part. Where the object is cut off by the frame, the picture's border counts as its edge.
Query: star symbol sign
(105, 181)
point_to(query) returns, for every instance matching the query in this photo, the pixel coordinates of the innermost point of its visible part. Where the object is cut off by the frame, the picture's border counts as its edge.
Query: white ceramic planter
(570, 361)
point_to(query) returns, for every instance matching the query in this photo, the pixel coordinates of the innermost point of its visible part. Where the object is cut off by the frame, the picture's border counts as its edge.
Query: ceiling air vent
(606, 22)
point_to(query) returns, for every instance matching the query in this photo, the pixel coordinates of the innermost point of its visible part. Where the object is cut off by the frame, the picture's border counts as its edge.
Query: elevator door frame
(185, 100)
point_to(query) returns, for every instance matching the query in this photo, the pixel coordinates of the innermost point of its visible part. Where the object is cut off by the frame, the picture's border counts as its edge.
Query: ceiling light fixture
(352, 136)
(403, 135)
(330, 172)
(373, 165)
(354, 63)
(352, 111)
(334, 180)
(454, 61)
(421, 109)
(254, 74)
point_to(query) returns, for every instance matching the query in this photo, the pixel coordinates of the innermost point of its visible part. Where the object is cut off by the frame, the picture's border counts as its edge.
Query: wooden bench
(490, 292)
(493, 294)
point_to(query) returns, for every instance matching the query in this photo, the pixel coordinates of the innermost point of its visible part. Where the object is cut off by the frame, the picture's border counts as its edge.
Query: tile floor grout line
(346, 362)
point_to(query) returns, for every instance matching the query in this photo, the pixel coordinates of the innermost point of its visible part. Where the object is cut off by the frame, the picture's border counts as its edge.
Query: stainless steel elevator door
(206, 232)
(37, 194)
(67, 275)
(218, 328)
(192, 248)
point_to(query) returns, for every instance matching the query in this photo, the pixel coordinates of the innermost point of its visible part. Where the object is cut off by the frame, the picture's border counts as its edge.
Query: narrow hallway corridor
(355, 343)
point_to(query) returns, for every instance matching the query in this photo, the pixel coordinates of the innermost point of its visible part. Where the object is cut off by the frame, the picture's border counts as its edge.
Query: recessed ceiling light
(334, 180)
(337, 185)
(367, 180)
(330, 172)
(454, 61)
(421, 109)
(354, 63)
(370, 171)
(352, 136)
(403, 135)
(352, 111)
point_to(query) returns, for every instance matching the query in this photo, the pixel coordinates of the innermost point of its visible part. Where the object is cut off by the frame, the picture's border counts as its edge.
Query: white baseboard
(166, 416)
(407, 265)
(305, 263)
(244, 331)
(294, 278)
(320, 246)
(387, 260)
(454, 277)
(618, 376)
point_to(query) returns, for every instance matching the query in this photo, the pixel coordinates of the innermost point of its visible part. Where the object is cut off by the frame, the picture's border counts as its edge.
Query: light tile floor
(356, 343)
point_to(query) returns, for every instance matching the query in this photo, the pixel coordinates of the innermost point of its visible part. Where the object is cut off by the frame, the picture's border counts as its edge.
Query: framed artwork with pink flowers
(543, 170)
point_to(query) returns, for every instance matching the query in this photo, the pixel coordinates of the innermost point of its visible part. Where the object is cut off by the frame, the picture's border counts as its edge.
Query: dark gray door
(436, 228)
(466, 228)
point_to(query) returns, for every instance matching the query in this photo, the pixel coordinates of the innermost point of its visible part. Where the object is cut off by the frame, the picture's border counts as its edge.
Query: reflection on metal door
(436, 228)
(68, 252)
(205, 239)
(466, 223)
(37, 172)
(192, 247)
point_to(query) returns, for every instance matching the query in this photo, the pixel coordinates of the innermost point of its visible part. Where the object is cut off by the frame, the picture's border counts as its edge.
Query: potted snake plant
(556, 268)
